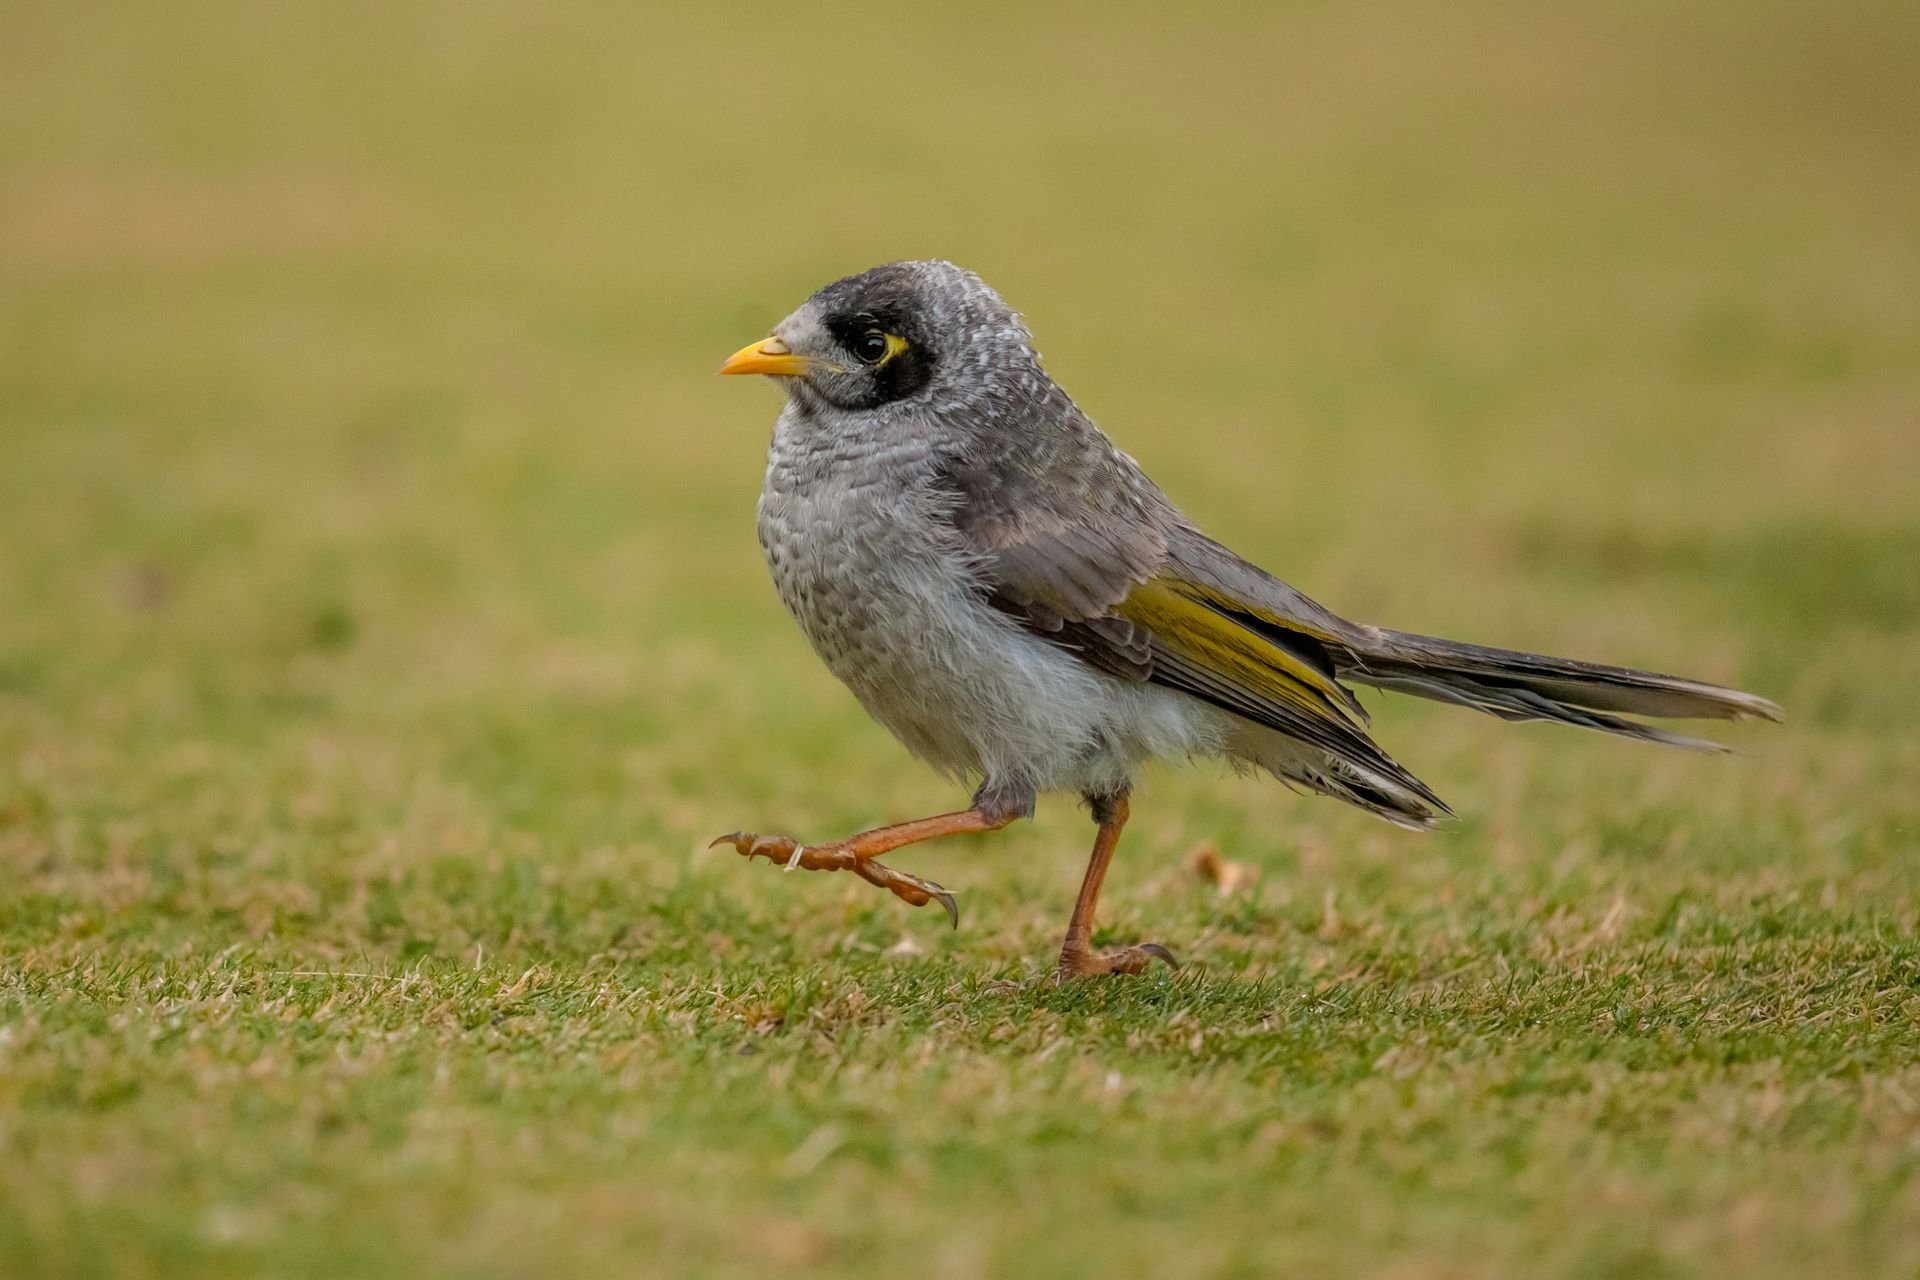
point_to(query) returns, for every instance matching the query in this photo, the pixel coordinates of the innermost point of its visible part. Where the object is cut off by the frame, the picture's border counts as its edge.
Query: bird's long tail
(1532, 686)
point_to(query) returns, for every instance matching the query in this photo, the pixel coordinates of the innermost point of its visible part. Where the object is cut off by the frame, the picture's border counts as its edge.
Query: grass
(382, 637)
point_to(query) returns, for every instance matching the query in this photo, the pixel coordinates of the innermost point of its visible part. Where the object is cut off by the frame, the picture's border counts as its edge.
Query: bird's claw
(781, 849)
(910, 889)
(1083, 963)
(773, 848)
(796, 856)
(946, 899)
(1159, 952)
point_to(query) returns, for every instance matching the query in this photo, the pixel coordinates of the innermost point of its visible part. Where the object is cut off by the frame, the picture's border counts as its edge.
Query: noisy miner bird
(1007, 591)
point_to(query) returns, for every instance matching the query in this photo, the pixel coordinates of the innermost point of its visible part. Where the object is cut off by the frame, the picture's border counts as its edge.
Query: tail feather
(1532, 686)
(1386, 791)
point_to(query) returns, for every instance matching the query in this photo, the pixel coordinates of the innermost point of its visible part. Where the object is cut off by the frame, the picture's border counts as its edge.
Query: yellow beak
(769, 356)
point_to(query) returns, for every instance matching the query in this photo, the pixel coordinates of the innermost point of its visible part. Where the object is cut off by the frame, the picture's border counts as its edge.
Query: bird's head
(906, 331)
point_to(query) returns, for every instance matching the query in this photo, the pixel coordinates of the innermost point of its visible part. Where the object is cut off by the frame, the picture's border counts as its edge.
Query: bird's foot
(1083, 962)
(837, 856)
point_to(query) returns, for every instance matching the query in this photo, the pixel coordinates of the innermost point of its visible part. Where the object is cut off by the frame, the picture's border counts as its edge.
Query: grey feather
(1507, 683)
(1381, 656)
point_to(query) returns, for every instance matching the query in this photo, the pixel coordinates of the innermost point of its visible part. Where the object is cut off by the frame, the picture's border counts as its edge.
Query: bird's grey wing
(1071, 532)
(1059, 543)
(1090, 561)
(1086, 552)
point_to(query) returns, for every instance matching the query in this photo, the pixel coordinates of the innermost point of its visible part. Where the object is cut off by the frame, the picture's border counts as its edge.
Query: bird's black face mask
(887, 359)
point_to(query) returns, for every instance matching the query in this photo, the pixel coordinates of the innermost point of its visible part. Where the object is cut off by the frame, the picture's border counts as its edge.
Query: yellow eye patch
(876, 346)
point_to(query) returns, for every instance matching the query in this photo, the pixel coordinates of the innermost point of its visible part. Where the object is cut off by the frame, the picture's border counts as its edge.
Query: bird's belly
(899, 618)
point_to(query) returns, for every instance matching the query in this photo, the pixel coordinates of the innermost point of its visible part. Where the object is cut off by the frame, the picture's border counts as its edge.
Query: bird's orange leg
(1077, 957)
(857, 853)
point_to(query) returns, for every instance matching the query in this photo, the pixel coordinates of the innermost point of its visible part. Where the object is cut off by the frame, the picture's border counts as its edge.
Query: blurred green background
(378, 593)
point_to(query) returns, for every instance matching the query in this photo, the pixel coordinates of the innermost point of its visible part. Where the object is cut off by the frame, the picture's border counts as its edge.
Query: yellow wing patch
(1220, 599)
(1182, 616)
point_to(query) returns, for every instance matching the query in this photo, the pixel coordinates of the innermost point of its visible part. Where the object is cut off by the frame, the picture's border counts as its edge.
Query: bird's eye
(872, 347)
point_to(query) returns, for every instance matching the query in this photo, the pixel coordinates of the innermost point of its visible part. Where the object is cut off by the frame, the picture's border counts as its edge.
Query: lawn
(383, 637)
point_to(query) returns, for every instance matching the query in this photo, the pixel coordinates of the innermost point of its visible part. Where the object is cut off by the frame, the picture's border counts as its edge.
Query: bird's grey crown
(966, 345)
(951, 307)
